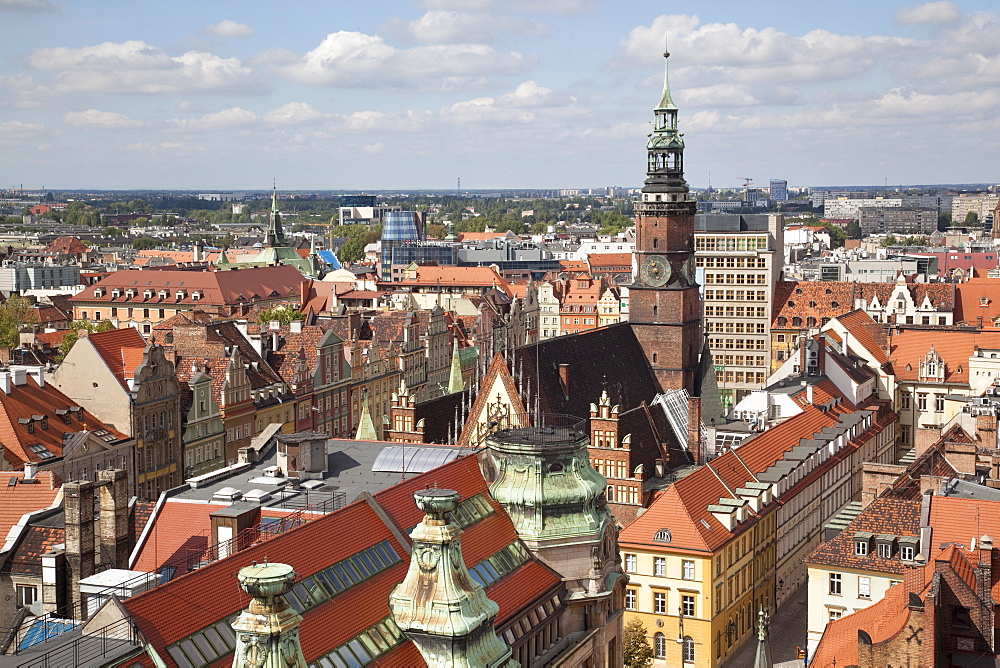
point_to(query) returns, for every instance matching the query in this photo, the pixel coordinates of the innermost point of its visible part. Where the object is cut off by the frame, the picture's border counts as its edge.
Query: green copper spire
(665, 168)
(438, 605)
(455, 381)
(267, 632)
(275, 235)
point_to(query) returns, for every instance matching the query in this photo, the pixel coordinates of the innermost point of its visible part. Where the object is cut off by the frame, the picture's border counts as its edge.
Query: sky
(417, 94)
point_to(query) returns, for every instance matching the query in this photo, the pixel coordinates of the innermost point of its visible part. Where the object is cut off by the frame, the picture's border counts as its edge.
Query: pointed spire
(666, 102)
(762, 658)
(275, 235)
(366, 428)
(455, 381)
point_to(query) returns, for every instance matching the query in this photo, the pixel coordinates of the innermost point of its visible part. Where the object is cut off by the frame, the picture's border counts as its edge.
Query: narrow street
(788, 632)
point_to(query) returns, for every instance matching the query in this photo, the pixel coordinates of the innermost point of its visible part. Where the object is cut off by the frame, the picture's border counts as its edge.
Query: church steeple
(665, 168)
(275, 235)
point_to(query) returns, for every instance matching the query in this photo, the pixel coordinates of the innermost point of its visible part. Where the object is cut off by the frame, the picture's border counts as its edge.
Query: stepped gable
(609, 358)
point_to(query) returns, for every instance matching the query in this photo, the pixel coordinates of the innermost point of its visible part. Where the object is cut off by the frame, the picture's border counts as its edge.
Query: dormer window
(180, 295)
(862, 540)
(196, 295)
(116, 293)
(98, 292)
(130, 294)
(163, 294)
(662, 536)
(147, 294)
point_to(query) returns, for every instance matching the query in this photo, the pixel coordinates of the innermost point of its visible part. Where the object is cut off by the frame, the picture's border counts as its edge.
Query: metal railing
(88, 648)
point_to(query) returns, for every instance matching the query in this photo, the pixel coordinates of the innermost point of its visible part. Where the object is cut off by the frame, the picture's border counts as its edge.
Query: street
(788, 632)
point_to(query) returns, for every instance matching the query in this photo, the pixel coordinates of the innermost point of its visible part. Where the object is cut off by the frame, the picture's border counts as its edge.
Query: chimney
(809, 393)
(30, 470)
(564, 378)
(803, 355)
(913, 576)
(295, 327)
(115, 544)
(695, 445)
(78, 507)
(5, 381)
(19, 375)
(984, 570)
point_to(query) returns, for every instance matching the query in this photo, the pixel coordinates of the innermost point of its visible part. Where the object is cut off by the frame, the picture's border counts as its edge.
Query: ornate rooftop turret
(665, 168)
(275, 235)
(267, 632)
(543, 478)
(438, 605)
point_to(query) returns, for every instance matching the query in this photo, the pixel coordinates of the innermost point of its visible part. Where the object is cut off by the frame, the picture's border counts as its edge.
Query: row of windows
(365, 647)
(923, 402)
(731, 262)
(736, 279)
(755, 377)
(736, 344)
(623, 494)
(735, 311)
(740, 360)
(660, 566)
(660, 648)
(736, 328)
(736, 295)
(734, 242)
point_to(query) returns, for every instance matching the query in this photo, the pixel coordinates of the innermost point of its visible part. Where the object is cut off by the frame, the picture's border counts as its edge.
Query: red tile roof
(960, 521)
(17, 500)
(955, 346)
(885, 515)
(29, 400)
(179, 529)
(121, 349)
(977, 298)
(870, 334)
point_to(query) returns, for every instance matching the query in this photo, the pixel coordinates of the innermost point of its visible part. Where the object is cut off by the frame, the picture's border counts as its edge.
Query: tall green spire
(665, 168)
(275, 235)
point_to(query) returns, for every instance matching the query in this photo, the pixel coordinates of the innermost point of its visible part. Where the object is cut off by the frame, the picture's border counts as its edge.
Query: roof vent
(227, 494)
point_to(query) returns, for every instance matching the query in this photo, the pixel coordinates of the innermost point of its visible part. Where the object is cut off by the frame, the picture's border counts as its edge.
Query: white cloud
(26, 6)
(227, 119)
(373, 148)
(294, 113)
(95, 119)
(10, 130)
(930, 12)
(135, 66)
(228, 28)
(450, 27)
(361, 60)
(165, 148)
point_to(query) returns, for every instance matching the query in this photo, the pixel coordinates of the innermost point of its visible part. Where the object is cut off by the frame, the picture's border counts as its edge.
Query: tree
(70, 337)
(14, 313)
(145, 243)
(638, 653)
(944, 221)
(853, 230)
(972, 219)
(283, 314)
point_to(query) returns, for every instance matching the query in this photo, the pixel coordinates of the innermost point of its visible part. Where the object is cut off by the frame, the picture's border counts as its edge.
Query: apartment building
(739, 259)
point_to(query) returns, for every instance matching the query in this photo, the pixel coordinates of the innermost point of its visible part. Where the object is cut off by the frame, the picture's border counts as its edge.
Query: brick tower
(665, 308)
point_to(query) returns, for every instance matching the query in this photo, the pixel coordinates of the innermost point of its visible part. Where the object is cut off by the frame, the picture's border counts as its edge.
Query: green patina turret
(665, 169)
(275, 235)
(267, 632)
(543, 478)
(438, 605)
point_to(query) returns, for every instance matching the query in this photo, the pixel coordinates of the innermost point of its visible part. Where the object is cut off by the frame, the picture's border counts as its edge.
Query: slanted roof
(899, 517)
(955, 347)
(18, 499)
(121, 349)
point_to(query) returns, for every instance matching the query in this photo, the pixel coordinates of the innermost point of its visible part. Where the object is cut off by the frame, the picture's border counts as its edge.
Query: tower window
(655, 242)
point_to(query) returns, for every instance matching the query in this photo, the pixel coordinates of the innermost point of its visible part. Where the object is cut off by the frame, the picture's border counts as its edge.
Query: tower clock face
(655, 271)
(688, 269)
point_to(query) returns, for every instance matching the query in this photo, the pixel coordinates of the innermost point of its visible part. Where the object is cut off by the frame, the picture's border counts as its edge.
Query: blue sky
(517, 93)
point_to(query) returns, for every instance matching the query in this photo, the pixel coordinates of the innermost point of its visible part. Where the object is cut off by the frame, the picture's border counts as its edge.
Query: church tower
(275, 235)
(664, 304)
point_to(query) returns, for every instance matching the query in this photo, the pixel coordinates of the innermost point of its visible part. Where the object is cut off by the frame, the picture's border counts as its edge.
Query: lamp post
(680, 631)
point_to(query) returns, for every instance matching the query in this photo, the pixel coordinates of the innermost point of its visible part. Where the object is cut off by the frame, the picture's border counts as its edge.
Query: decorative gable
(932, 366)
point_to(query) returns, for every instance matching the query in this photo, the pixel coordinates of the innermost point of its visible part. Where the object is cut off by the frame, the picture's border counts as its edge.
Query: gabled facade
(204, 435)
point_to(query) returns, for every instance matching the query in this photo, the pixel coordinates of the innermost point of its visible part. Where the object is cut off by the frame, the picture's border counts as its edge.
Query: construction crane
(747, 182)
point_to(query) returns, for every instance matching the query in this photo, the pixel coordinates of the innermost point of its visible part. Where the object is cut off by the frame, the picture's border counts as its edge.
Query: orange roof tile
(977, 298)
(121, 349)
(955, 346)
(16, 500)
(867, 332)
(179, 528)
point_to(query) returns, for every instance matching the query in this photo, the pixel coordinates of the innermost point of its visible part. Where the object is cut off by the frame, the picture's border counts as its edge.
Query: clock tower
(664, 303)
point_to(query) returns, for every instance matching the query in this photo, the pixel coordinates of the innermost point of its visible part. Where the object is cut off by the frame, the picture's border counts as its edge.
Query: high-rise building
(779, 190)
(665, 309)
(398, 228)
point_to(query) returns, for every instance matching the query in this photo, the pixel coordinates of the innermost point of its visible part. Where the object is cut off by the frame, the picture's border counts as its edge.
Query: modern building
(779, 190)
(741, 259)
(901, 220)
(398, 229)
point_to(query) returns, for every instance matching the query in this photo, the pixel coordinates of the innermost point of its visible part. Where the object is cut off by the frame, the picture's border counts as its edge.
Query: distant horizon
(444, 191)
(416, 94)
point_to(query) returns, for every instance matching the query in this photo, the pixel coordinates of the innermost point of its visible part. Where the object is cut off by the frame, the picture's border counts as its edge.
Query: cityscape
(389, 379)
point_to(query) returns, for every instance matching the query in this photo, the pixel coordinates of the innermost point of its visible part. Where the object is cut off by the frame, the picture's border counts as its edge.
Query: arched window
(655, 242)
(656, 310)
(660, 646)
(796, 322)
(782, 321)
(687, 649)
